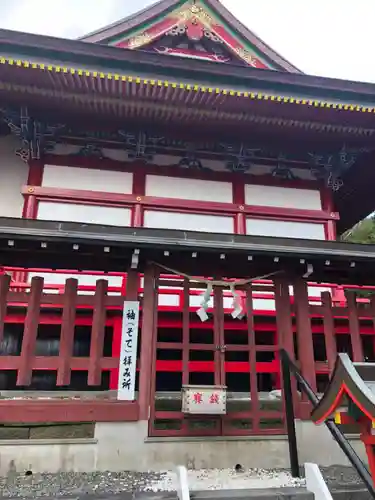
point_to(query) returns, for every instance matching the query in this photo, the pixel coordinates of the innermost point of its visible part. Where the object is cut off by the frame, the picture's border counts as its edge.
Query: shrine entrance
(241, 354)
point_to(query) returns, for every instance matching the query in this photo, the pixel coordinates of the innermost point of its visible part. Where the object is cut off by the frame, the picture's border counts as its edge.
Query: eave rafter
(81, 74)
(21, 239)
(166, 112)
(163, 101)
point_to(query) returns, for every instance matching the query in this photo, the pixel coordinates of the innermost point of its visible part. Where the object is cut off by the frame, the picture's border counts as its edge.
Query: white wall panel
(188, 222)
(274, 196)
(88, 179)
(13, 175)
(196, 300)
(315, 291)
(92, 214)
(285, 229)
(264, 305)
(168, 300)
(83, 280)
(188, 189)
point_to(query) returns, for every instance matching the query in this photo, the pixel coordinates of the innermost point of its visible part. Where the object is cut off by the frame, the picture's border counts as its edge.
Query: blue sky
(322, 37)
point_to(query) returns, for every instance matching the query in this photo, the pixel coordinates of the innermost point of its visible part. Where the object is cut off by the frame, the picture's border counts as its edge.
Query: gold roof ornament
(139, 40)
(246, 56)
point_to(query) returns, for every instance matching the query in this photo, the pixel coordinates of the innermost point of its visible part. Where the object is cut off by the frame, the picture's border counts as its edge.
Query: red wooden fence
(319, 330)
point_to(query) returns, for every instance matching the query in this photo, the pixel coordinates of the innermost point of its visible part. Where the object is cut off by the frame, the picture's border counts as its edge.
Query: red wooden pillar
(304, 332)
(4, 289)
(285, 325)
(139, 188)
(148, 341)
(30, 206)
(369, 441)
(328, 206)
(97, 333)
(30, 333)
(218, 316)
(67, 332)
(354, 328)
(252, 357)
(329, 330)
(284, 316)
(185, 342)
(34, 179)
(239, 199)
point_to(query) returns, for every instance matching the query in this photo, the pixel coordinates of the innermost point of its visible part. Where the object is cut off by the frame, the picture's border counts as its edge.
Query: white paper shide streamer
(238, 311)
(202, 312)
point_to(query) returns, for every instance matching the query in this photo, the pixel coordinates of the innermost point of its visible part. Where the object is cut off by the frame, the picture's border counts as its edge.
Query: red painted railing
(58, 288)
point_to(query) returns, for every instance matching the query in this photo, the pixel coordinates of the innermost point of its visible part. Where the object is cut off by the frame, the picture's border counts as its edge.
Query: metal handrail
(288, 368)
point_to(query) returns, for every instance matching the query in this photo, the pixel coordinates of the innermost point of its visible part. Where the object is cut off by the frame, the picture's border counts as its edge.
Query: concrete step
(254, 494)
(341, 493)
(350, 493)
(344, 492)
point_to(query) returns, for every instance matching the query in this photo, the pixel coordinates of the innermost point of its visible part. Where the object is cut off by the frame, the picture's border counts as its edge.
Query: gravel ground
(71, 484)
(107, 483)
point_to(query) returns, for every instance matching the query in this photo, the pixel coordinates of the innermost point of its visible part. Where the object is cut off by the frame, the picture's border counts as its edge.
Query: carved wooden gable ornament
(198, 29)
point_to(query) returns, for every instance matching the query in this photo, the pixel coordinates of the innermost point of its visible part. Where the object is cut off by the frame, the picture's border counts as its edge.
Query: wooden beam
(329, 330)
(284, 316)
(30, 332)
(67, 332)
(304, 332)
(355, 335)
(97, 333)
(148, 342)
(4, 289)
(35, 411)
(254, 408)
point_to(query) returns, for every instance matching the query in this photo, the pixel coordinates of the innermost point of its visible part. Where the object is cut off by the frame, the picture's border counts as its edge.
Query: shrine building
(172, 195)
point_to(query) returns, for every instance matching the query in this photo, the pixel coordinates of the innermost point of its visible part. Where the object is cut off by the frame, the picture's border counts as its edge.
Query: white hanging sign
(128, 353)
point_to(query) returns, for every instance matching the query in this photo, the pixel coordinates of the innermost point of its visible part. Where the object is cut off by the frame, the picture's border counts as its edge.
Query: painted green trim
(143, 26)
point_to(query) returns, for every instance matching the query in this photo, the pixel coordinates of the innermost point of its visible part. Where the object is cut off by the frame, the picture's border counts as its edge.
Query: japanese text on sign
(128, 353)
(204, 399)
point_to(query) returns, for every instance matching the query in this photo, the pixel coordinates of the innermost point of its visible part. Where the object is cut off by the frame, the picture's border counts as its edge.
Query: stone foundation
(125, 446)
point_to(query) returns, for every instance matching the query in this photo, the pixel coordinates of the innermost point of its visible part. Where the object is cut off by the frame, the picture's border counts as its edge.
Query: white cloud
(324, 37)
(63, 18)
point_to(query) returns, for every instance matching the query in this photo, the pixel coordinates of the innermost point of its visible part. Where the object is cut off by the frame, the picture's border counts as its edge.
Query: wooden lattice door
(185, 352)
(220, 351)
